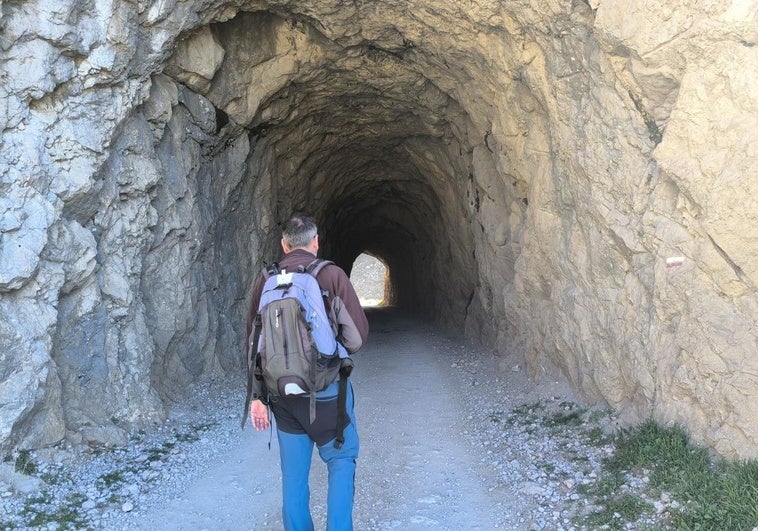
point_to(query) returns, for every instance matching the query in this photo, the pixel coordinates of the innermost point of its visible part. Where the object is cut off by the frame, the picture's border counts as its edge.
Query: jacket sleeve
(252, 311)
(352, 325)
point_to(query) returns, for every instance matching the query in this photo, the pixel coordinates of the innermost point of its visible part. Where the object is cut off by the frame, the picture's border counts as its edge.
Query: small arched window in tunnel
(370, 276)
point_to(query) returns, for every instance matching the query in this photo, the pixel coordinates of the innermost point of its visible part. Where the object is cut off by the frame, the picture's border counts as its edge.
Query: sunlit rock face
(572, 184)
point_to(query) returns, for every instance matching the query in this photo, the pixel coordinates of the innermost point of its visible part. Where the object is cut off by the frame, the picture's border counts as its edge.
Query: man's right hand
(259, 415)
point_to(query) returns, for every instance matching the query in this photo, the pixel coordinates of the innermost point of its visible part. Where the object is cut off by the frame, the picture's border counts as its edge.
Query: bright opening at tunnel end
(369, 276)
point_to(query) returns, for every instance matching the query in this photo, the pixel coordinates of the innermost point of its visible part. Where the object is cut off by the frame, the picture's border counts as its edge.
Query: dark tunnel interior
(365, 143)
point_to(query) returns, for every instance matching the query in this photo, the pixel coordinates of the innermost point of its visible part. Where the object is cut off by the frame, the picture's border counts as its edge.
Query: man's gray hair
(299, 231)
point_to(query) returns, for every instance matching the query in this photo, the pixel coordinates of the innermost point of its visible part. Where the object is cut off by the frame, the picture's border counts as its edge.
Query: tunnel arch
(390, 149)
(369, 146)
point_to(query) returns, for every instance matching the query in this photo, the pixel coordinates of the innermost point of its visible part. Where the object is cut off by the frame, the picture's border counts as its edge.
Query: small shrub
(24, 463)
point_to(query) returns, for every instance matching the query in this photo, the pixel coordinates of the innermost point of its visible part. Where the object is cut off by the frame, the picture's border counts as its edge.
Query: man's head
(300, 232)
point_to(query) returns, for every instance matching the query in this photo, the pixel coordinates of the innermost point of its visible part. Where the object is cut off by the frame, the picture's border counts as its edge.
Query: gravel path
(451, 438)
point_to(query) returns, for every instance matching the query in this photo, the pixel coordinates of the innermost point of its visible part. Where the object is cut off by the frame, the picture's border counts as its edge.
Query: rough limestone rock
(571, 183)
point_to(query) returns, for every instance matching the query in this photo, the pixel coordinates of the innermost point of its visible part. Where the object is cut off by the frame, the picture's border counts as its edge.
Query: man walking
(297, 431)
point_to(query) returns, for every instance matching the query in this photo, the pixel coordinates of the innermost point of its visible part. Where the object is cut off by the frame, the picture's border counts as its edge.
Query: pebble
(115, 483)
(532, 489)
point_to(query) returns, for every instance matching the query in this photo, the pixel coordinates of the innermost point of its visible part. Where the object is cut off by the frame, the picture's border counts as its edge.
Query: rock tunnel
(568, 184)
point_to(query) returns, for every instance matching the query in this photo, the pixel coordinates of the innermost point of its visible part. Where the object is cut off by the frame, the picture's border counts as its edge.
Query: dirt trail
(417, 469)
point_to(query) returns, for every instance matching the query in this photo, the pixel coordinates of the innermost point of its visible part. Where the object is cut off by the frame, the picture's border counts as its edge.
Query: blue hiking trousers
(297, 437)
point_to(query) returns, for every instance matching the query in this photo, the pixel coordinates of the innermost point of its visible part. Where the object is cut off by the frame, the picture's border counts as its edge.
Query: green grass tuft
(112, 478)
(39, 512)
(24, 463)
(617, 511)
(193, 433)
(709, 495)
(564, 418)
(595, 436)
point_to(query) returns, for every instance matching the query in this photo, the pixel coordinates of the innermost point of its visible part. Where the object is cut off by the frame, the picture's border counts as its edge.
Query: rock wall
(572, 184)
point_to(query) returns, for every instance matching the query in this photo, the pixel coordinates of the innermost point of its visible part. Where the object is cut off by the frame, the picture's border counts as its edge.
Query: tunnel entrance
(260, 116)
(357, 136)
(254, 115)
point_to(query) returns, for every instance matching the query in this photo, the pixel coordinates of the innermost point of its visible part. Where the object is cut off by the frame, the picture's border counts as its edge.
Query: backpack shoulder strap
(315, 267)
(271, 270)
